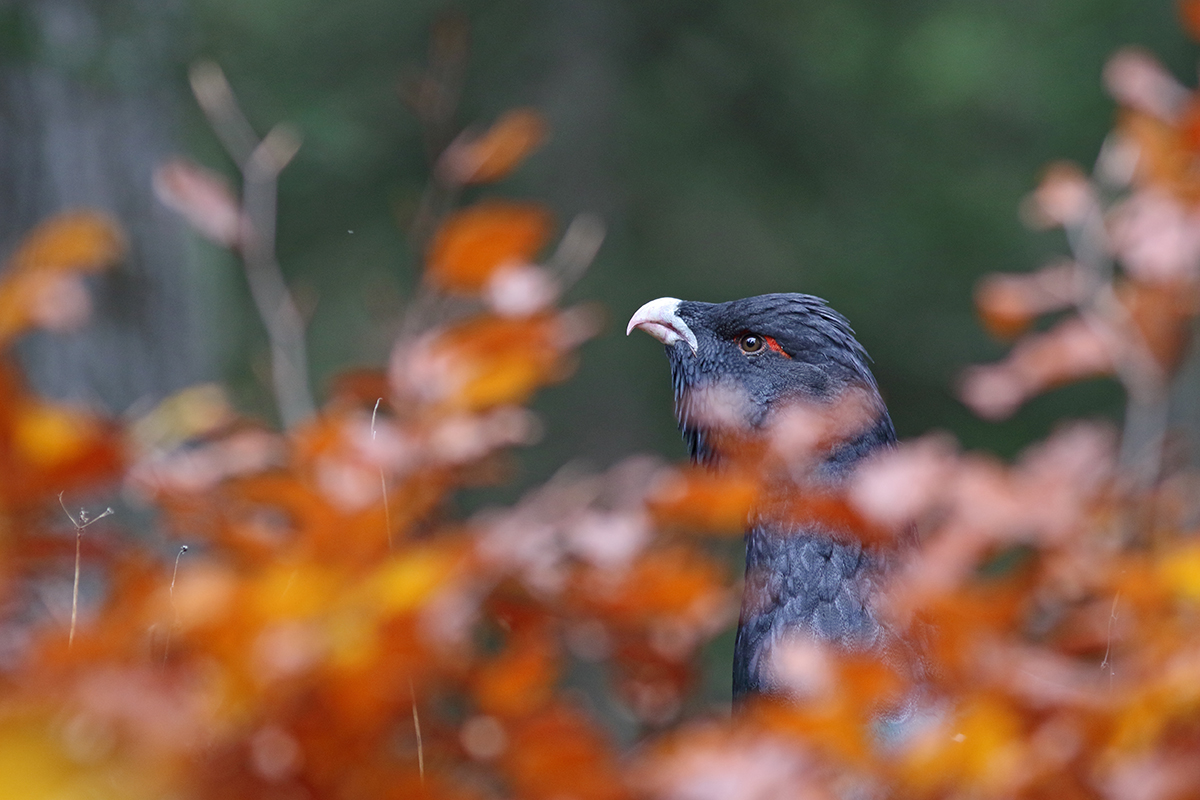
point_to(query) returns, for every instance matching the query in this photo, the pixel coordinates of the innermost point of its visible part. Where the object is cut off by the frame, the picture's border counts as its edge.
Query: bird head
(745, 365)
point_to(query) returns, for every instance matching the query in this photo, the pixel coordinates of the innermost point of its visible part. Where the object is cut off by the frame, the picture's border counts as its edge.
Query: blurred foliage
(331, 629)
(334, 628)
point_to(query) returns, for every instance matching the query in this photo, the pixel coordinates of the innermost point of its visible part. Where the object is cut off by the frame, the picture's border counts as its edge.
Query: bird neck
(844, 456)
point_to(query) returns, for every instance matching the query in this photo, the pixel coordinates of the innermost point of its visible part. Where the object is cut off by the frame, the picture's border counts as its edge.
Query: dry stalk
(79, 525)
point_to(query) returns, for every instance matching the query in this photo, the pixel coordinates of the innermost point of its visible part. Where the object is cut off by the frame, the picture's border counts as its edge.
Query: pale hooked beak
(660, 319)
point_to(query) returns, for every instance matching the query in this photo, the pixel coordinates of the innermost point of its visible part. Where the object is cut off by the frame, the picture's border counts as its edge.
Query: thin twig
(215, 96)
(1112, 617)
(577, 249)
(183, 548)
(417, 728)
(288, 586)
(434, 95)
(79, 525)
(260, 163)
(387, 513)
(1145, 383)
(174, 610)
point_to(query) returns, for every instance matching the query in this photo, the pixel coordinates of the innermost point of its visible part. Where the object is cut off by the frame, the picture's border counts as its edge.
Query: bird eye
(751, 343)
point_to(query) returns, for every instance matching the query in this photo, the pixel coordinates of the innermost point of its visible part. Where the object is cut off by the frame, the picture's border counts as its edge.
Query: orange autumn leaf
(498, 151)
(831, 511)
(407, 581)
(559, 754)
(1179, 571)
(1189, 124)
(982, 748)
(473, 243)
(654, 673)
(292, 591)
(833, 728)
(1162, 314)
(489, 361)
(520, 679)
(45, 435)
(358, 387)
(1189, 13)
(49, 447)
(699, 500)
(1165, 157)
(1063, 198)
(41, 285)
(1070, 351)
(958, 618)
(679, 583)
(869, 677)
(80, 241)
(1008, 304)
(203, 596)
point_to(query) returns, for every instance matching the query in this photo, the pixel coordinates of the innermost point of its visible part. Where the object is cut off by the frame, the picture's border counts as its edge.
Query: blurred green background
(868, 151)
(872, 152)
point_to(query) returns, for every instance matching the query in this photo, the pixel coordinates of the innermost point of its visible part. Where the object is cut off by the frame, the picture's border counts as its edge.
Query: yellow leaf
(981, 747)
(81, 241)
(33, 288)
(296, 590)
(1180, 570)
(406, 582)
(42, 760)
(47, 435)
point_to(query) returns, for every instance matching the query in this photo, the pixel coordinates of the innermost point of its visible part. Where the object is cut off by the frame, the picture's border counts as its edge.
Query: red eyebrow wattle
(774, 345)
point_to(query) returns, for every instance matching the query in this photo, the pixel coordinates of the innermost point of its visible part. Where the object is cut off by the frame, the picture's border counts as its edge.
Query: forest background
(872, 153)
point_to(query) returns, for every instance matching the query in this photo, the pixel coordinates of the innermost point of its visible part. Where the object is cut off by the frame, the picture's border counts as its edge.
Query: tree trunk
(83, 122)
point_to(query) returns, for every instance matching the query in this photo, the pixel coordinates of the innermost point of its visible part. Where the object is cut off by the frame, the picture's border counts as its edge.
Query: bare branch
(1145, 382)
(577, 249)
(215, 96)
(260, 162)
